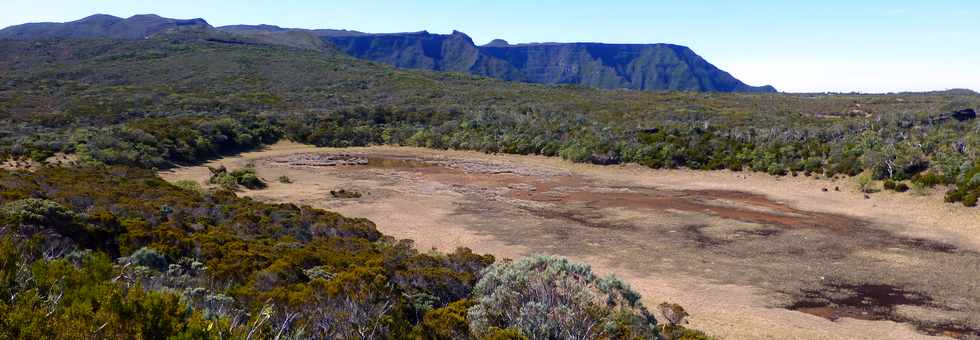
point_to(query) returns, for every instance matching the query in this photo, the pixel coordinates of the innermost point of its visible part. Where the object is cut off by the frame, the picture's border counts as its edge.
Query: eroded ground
(773, 259)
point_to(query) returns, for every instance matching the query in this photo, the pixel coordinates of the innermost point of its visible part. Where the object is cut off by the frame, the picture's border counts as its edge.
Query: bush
(147, 257)
(927, 179)
(504, 334)
(37, 211)
(189, 185)
(954, 196)
(231, 180)
(285, 179)
(970, 200)
(552, 298)
(901, 187)
(344, 193)
(445, 323)
(889, 185)
(865, 184)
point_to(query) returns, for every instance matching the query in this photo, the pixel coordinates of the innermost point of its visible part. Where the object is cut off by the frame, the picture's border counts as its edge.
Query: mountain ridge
(100, 26)
(655, 67)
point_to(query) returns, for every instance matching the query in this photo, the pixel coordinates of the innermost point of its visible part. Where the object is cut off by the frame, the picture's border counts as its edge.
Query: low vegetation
(124, 102)
(231, 180)
(344, 193)
(116, 252)
(544, 297)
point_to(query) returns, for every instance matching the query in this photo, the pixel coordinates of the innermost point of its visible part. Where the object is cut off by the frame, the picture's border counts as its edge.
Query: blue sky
(828, 45)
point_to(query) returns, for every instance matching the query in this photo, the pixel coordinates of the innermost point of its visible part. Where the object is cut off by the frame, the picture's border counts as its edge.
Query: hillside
(60, 95)
(608, 66)
(99, 26)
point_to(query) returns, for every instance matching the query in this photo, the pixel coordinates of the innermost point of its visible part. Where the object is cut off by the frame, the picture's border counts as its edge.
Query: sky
(794, 45)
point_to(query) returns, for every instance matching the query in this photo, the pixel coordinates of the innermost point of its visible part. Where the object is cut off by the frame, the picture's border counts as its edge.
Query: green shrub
(285, 179)
(901, 187)
(150, 258)
(889, 184)
(448, 322)
(189, 185)
(231, 180)
(552, 298)
(954, 195)
(495, 333)
(927, 179)
(970, 200)
(38, 211)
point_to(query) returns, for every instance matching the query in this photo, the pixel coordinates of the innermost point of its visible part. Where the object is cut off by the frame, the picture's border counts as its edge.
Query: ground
(748, 255)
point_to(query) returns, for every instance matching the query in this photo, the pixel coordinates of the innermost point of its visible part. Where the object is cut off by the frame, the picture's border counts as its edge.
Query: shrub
(901, 187)
(37, 211)
(954, 196)
(927, 179)
(865, 183)
(552, 298)
(189, 185)
(970, 200)
(285, 179)
(776, 170)
(150, 258)
(445, 323)
(889, 185)
(503, 334)
(231, 180)
(343, 193)
(249, 180)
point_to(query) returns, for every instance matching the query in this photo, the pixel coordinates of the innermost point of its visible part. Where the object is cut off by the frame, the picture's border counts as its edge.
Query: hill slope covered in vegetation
(640, 67)
(92, 96)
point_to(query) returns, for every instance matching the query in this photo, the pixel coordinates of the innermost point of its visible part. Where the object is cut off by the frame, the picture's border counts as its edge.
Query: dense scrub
(111, 251)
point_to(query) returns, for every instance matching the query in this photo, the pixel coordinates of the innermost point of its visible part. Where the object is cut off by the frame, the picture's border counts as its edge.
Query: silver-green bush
(547, 297)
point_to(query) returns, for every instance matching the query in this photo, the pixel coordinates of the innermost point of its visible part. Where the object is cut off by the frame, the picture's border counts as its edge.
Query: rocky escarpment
(631, 66)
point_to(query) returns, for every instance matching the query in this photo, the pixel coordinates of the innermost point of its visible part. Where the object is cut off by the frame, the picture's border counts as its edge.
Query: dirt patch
(874, 302)
(738, 261)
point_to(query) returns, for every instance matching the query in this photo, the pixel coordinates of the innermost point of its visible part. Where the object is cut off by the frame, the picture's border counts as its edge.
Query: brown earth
(749, 255)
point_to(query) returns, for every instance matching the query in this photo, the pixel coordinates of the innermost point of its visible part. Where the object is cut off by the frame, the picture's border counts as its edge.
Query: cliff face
(421, 50)
(632, 66)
